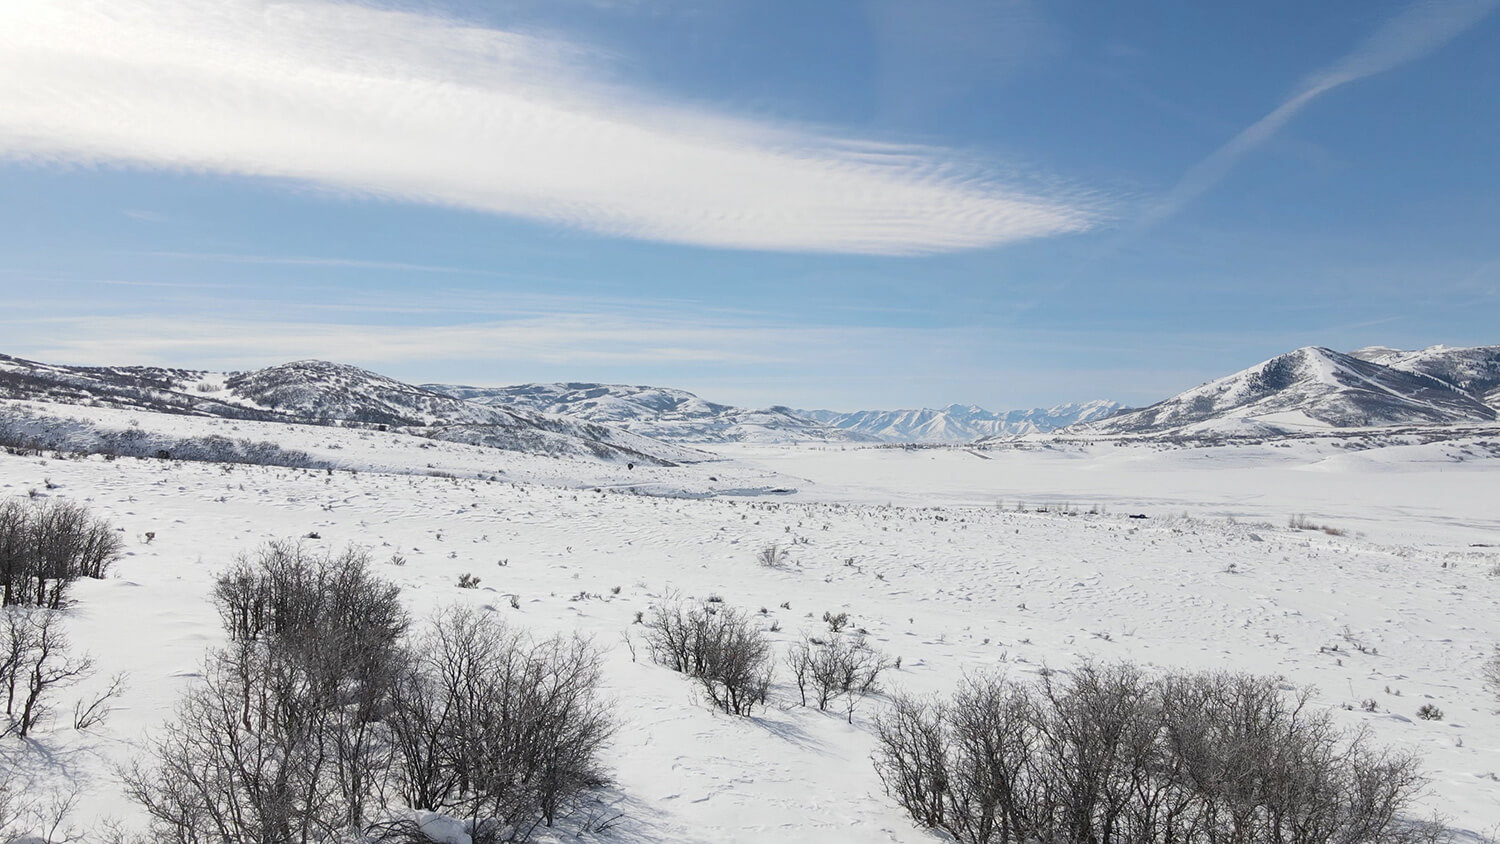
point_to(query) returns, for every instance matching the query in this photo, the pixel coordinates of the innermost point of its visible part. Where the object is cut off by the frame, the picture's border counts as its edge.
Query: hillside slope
(323, 393)
(1474, 370)
(1312, 387)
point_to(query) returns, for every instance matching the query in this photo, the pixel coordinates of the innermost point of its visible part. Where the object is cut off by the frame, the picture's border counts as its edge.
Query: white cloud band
(424, 109)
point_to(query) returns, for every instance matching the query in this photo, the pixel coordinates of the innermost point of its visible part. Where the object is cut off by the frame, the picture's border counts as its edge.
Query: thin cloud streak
(170, 285)
(582, 339)
(396, 105)
(1420, 29)
(308, 261)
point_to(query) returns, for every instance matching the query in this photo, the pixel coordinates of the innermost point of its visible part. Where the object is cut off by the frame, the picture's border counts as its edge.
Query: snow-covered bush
(1113, 754)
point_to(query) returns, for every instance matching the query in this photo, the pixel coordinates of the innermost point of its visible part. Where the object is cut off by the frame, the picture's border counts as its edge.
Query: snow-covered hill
(658, 412)
(140, 387)
(323, 393)
(1311, 388)
(1474, 370)
(961, 423)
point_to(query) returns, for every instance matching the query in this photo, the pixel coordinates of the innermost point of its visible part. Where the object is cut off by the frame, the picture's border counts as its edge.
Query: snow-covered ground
(924, 548)
(1405, 493)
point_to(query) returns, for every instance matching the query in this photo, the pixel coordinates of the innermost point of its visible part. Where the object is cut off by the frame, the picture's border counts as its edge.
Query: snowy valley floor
(923, 548)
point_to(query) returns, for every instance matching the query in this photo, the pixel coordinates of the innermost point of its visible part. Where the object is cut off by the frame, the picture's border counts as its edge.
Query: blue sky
(887, 203)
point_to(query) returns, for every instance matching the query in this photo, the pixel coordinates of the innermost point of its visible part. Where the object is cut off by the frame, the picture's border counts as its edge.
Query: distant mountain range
(1309, 389)
(657, 412)
(606, 420)
(680, 416)
(1316, 388)
(960, 423)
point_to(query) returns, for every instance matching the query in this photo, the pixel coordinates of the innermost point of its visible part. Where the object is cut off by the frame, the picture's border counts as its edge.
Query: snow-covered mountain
(1474, 370)
(658, 412)
(323, 393)
(1317, 388)
(961, 423)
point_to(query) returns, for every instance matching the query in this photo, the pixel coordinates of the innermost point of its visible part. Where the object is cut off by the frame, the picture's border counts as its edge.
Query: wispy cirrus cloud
(314, 261)
(420, 108)
(568, 339)
(1410, 35)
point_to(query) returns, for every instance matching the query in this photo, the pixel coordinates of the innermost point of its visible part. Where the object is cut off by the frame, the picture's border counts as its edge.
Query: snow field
(1403, 618)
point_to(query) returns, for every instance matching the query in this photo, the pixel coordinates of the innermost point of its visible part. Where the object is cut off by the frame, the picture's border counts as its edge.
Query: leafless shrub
(841, 670)
(490, 725)
(46, 545)
(716, 645)
(10, 809)
(322, 708)
(283, 739)
(41, 819)
(35, 661)
(291, 594)
(89, 713)
(913, 762)
(1491, 671)
(245, 759)
(1111, 754)
(1300, 521)
(773, 556)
